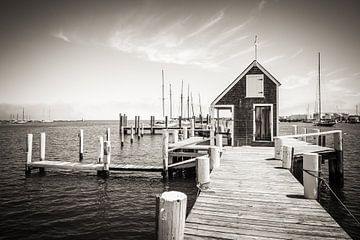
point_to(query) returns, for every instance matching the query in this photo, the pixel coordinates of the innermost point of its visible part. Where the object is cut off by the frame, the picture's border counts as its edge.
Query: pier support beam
(165, 153)
(170, 215)
(336, 167)
(311, 167)
(81, 145)
(29, 141)
(203, 172)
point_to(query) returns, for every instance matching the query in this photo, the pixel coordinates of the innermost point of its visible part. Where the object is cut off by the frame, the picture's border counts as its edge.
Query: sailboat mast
(163, 98)
(170, 103)
(200, 105)
(181, 97)
(192, 106)
(23, 114)
(319, 86)
(188, 102)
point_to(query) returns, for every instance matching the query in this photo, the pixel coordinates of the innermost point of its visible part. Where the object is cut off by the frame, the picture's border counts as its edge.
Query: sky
(96, 59)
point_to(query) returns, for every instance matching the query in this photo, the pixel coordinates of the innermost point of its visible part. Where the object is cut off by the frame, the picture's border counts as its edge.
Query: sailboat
(325, 122)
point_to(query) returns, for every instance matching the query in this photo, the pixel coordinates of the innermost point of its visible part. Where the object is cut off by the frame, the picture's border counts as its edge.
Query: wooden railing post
(122, 136)
(295, 129)
(311, 167)
(287, 156)
(171, 215)
(214, 157)
(278, 142)
(81, 145)
(165, 153)
(336, 167)
(185, 133)
(29, 141)
(203, 172)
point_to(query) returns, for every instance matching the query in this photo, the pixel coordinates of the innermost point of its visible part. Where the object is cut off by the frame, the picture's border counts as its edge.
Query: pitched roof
(253, 64)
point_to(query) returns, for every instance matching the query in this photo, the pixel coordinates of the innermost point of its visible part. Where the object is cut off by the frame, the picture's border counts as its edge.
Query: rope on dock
(332, 191)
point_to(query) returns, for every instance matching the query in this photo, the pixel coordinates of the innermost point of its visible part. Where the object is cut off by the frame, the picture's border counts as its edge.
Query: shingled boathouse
(253, 102)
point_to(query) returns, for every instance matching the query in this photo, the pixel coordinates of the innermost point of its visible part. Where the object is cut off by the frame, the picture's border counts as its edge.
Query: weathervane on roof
(255, 45)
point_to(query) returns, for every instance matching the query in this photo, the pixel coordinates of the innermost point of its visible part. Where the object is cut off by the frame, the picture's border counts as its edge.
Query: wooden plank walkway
(252, 197)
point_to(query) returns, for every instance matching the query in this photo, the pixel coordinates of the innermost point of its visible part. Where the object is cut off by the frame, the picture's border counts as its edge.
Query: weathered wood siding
(243, 113)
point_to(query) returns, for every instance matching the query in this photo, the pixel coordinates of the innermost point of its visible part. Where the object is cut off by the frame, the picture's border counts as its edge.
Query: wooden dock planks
(252, 197)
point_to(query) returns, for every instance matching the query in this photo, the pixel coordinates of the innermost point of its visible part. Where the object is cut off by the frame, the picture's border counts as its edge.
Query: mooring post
(278, 142)
(185, 133)
(214, 157)
(180, 122)
(139, 132)
(219, 141)
(192, 128)
(212, 135)
(295, 129)
(287, 156)
(81, 145)
(336, 167)
(310, 168)
(42, 146)
(203, 172)
(165, 153)
(107, 158)
(166, 122)
(108, 134)
(151, 125)
(125, 120)
(29, 141)
(317, 137)
(304, 131)
(100, 149)
(323, 141)
(200, 119)
(175, 134)
(171, 215)
(142, 129)
(122, 136)
(131, 134)
(120, 123)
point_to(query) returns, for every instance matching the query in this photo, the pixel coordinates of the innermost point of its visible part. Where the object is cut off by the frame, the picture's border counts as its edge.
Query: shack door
(262, 123)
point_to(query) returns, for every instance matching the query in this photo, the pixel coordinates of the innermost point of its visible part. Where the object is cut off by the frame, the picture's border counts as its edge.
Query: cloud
(335, 72)
(272, 59)
(297, 53)
(261, 5)
(296, 81)
(61, 35)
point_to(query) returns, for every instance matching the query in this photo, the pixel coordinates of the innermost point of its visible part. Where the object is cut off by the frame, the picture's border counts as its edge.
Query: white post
(203, 171)
(175, 136)
(108, 134)
(165, 153)
(81, 145)
(311, 164)
(287, 155)
(107, 155)
(131, 134)
(171, 215)
(185, 133)
(278, 148)
(192, 130)
(304, 131)
(295, 129)
(219, 141)
(214, 157)
(42, 146)
(100, 150)
(29, 148)
(212, 135)
(122, 136)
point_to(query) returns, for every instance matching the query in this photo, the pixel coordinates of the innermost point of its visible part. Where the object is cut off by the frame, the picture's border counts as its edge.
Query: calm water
(81, 205)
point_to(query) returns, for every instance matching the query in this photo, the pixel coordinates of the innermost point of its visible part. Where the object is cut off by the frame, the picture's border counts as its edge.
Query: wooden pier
(252, 196)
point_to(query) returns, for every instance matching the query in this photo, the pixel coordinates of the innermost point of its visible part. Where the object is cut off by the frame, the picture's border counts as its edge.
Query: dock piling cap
(173, 196)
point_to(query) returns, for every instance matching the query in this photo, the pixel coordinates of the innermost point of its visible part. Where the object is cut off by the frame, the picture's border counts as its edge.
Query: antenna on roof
(255, 46)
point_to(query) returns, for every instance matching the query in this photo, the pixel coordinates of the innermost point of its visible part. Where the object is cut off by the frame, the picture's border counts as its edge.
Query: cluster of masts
(25, 118)
(190, 113)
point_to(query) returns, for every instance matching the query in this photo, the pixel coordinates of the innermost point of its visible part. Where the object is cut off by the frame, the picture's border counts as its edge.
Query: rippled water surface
(84, 206)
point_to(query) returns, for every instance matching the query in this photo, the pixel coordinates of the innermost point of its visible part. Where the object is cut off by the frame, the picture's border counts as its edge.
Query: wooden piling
(317, 138)
(219, 141)
(175, 136)
(311, 167)
(142, 129)
(107, 159)
(131, 134)
(323, 141)
(185, 133)
(287, 156)
(165, 153)
(203, 172)
(171, 215)
(278, 142)
(135, 122)
(212, 135)
(108, 134)
(81, 145)
(29, 141)
(122, 136)
(192, 128)
(214, 157)
(336, 167)
(304, 131)
(42, 146)
(180, 120)
(100, 150)
(166, 122)
(121, 122)
(295, 129)
(138, 130)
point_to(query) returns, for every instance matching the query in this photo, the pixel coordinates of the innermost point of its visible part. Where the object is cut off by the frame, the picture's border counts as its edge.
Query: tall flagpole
(163, 96)
(170, 103)
(255, 45)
